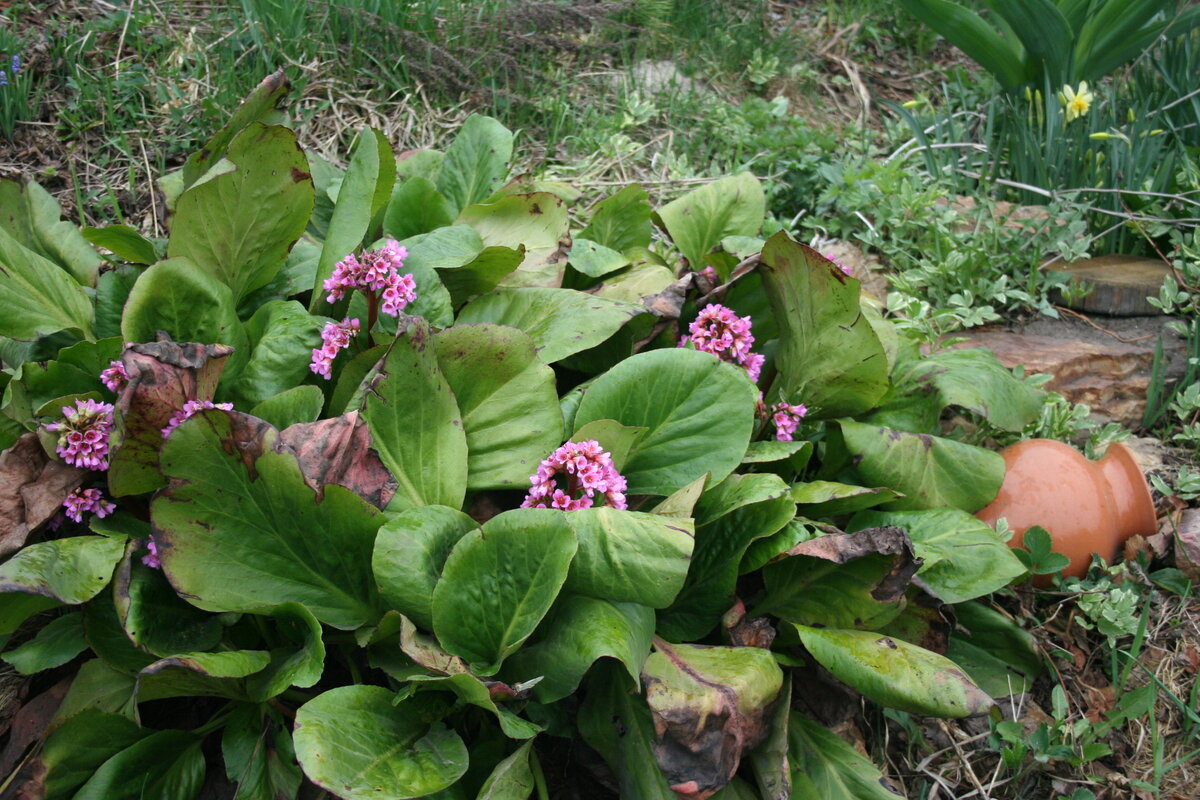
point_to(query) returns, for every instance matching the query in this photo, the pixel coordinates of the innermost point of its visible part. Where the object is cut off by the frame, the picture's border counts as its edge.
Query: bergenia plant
(361, 499)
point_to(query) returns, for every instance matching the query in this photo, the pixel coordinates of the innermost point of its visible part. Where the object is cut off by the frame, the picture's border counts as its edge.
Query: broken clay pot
(1086, 506)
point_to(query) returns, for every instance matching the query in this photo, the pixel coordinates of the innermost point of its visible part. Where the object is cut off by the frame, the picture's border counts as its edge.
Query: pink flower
(335, 337)
(151, 558)
(375, 271)
(839, 264)
(573, 475)
(115, 377)
(83, 434)
(786, 418)
(83, 500)
(189, 408)
(727, 336)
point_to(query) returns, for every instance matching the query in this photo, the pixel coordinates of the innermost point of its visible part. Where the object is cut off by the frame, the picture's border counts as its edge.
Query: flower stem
(372, 315)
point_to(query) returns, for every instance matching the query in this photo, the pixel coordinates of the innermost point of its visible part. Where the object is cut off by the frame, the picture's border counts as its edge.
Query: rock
(1187, 543)
(1110, 377)
(1120, 284)
(657, 77)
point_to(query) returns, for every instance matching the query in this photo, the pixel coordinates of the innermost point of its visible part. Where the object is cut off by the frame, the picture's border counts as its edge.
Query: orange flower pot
(1086, 506)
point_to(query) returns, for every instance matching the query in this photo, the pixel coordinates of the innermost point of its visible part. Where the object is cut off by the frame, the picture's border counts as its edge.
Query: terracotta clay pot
(1087, 506)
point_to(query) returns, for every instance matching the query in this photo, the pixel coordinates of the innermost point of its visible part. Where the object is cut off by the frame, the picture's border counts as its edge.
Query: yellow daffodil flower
(1076, 102)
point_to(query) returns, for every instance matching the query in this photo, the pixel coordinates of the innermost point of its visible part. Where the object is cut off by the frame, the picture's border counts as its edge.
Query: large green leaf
(241, 531)
(994, 650)
(730, 516)
(297, 405)
(156, 618)
(55, 644)
(507, 398)
(410, 551)
(476, 162)
(511, 779)
(829, 356)
(616, 722)
(538, 222)
(580, 631)
(499, 582)
(165, 764)
(112, 290)
(710, 707)
(415, 423)
(239, 226)
(621, 221)
(698, 412)
(281, 337)
(827, 767)
(931, 472)
(76, 748)
(975, 379)
(33, 217)
(561, 322)
(354, 742)
(36, 297)
(828, 499)
(698, 221)
(370, 174)
(964, 558)
(124, 242)
(629, 556)
(1045, 33)
(894, 673)
(189, 305)
(71, 570)
(416, 207)
(261, 105)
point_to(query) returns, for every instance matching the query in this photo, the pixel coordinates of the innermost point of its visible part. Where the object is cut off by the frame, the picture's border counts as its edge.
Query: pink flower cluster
(375, 271)
(335, 337)
(82, 500)
(787, 418)
(846, 270)
(189, 408)
(151, 558)
(572, 476)
(115, 377)
(727, 336)
(83, 434)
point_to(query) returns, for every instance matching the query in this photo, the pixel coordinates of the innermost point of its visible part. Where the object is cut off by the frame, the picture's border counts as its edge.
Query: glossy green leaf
(771, 451)
(261, 105)
(931, 472)
(112, 290)
(296, 405)
(975, 379)
(124, 242)
(165, 764)
(622, 220)
(78, 747)
(828, 498)
(280, 338)
(354, 742)
(507, 398)
(189, 305)
(36, 297)
(827, 767)
(580, 631)
(594, 260)
(698, 413)
(729, 517)
(416, 207)
(256, 518)
(829, 357)
(700, 219)
(561, 322)
(894, 673)
(156, 618)
(71, 570)
(511, 779)
(300, 658)
(476, 162)
(994, 650)
(629, 556)
(221, 664)
(33, 217)
(537, 222)
(410, 551)
(99, 687)
(964, 558)
(416, 425)
(239, 226)
(499, 582)
(55, 644)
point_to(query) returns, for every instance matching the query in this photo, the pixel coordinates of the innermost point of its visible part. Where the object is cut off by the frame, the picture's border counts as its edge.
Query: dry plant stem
(1093, 323)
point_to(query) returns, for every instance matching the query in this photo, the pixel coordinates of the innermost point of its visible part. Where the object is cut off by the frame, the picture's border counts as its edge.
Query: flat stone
(1120, 284)
(1110, 377)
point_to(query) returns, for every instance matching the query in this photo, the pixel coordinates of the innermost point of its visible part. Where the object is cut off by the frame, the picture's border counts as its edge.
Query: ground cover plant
(415, 487)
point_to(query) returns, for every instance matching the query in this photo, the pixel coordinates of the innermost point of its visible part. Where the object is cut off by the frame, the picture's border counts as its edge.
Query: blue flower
(16, 65)
(3, 78)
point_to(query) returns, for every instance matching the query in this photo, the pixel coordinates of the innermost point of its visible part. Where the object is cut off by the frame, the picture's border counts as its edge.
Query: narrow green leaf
(966, 30)
(124, 242)
(511, 779)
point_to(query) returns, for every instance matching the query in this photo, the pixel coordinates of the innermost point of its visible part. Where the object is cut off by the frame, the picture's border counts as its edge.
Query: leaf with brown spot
(710, 707)
(163, 375)
(340, 451)
(32, 489)
(842, 580)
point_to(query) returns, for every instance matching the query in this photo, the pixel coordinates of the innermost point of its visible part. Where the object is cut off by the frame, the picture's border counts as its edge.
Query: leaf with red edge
(710, 706)
(163, 376)
(340, 451)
